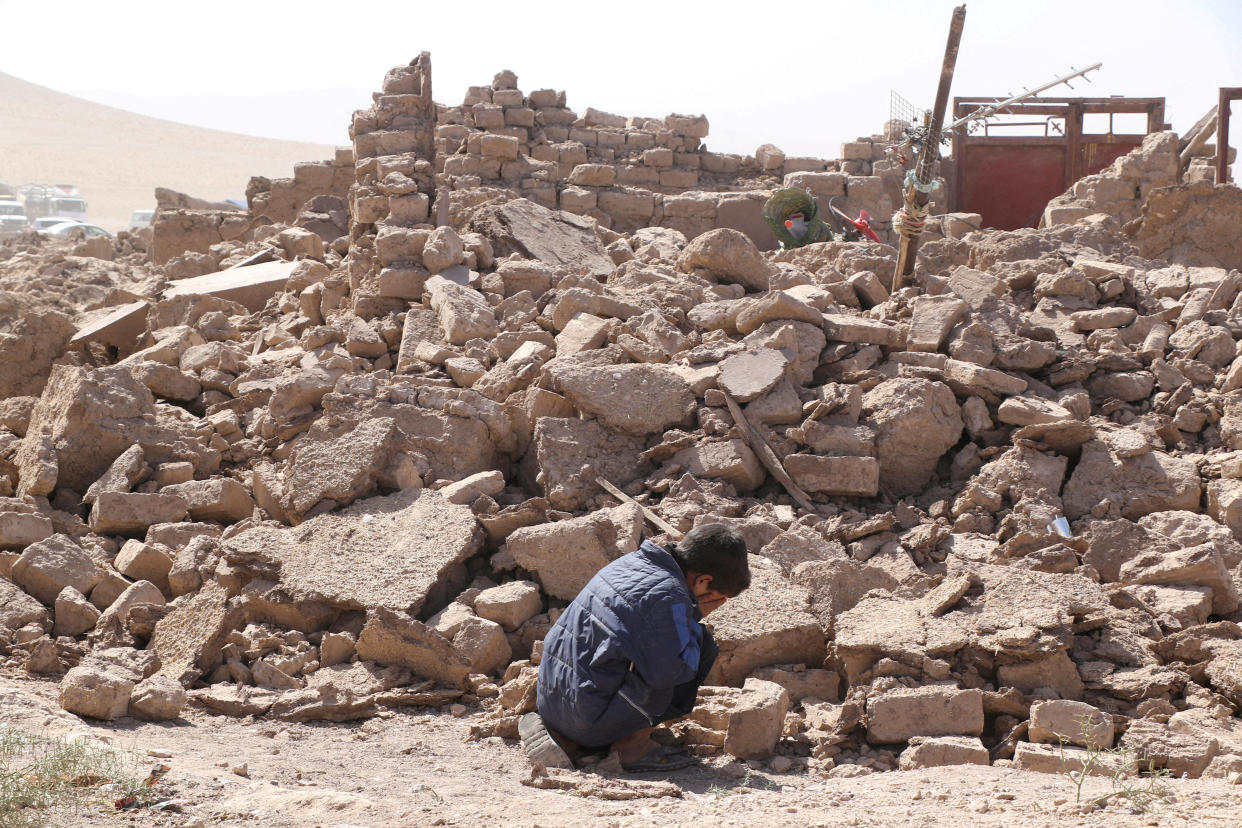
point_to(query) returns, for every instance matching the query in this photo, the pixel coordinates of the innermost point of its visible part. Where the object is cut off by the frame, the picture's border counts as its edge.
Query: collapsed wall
(369, 474)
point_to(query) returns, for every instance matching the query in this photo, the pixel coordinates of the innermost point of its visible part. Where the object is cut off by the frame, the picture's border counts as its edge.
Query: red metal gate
(1009, 179)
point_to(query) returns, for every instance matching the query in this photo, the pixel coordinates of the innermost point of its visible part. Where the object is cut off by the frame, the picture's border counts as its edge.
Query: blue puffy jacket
(612, 660)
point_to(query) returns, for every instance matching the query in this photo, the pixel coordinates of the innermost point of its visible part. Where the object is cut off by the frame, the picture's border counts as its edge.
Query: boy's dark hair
(717, 550)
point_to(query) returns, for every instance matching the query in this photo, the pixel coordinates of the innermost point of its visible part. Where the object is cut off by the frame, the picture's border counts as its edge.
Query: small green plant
(39, 774)
(1143, 788)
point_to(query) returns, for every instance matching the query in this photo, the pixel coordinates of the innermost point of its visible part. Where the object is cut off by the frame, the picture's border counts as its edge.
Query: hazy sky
(805, 76)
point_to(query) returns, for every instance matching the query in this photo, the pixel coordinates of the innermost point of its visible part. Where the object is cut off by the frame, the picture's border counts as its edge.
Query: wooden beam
(655, 519)
(766, 456)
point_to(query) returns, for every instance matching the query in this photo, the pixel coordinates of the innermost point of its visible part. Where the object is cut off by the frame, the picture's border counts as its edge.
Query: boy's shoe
(540, 746)
(661, 759)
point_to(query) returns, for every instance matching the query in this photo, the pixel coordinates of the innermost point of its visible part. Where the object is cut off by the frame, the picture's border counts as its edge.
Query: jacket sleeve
(668, 649)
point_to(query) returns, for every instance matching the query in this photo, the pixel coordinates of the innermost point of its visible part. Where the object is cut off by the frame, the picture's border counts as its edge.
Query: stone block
(583, 332)
(144, 562)
(157, 699)
(509, 605)
(132, 513)
(751, 374)
(933, 317)
(48, 566)
(404, 550)
(1063, 760)
(220, 499)
(849, 476)
(841, 327)
(1031, 410)
(463, 314)
(20, 529)
(482, 644)
(901, 714)
(74, 614)
(568, 553)
(811, 683)
(593, 175)
(751, 717)
(939, 751)
(1062, 720)
(636, 398)
(1055, 672)
(95, 692)
(729, 460)
(1157, 746)
(467, 490)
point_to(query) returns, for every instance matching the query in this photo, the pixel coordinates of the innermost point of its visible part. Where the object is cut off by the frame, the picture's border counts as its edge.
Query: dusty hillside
(117, 158)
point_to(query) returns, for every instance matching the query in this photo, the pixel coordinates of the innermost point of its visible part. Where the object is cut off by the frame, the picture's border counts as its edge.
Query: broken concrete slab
(636, 398)
(189, 639)
(249, 286)
(554, 237)
(394, 638)
(769, 623)
(400, 552)
(120, 327)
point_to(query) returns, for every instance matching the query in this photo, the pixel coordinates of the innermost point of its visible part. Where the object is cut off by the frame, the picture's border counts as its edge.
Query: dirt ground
(419, 768)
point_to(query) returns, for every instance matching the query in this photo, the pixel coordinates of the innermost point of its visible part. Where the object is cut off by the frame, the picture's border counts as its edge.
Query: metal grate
(901, 116)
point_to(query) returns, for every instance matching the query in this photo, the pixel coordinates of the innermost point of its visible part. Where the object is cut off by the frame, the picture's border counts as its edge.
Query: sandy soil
(117, 158)
(419, 768)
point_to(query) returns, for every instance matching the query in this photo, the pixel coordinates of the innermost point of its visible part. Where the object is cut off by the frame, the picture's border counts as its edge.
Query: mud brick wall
(636, 172)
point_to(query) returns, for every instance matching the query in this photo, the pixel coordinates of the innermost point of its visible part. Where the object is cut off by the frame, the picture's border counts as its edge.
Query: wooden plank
(766, 456)
(655, 519)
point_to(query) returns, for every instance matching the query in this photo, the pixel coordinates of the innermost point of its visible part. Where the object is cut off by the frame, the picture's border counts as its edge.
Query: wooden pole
(930, 149)
(1222, 137)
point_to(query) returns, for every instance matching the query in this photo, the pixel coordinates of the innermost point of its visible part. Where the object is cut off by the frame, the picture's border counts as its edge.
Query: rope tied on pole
(910, 220)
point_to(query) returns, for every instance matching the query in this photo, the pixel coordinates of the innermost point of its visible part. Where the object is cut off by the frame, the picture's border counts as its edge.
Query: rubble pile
(995, 510)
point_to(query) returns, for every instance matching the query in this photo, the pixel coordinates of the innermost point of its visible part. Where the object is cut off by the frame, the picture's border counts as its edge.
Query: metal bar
(930, 150)
(985, 111)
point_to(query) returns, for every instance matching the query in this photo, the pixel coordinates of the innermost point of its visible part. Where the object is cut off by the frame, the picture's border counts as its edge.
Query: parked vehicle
(53, 200)
(41, 225)
(141, 218)
(68, 229)
(12, 218)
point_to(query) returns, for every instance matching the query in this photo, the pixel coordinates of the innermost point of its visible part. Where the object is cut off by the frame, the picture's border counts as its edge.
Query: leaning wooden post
(919, 182)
